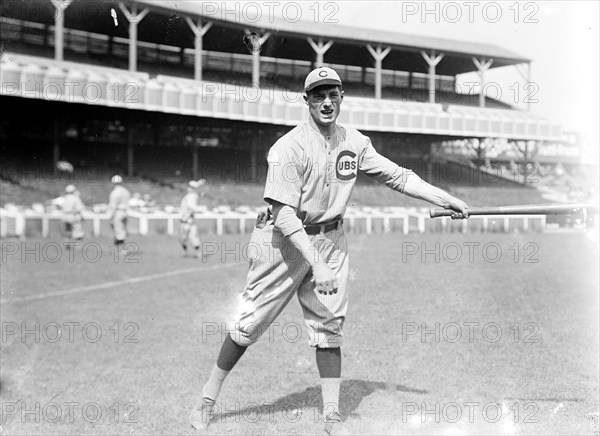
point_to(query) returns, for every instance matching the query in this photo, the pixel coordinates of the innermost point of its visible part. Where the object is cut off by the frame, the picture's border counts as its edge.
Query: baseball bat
(528, 209)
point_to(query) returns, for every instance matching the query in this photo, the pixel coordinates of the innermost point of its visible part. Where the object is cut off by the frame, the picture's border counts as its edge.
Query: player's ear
(305, 97)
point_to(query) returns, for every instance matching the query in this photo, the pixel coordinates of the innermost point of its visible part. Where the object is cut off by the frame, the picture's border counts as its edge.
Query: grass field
(496, 338)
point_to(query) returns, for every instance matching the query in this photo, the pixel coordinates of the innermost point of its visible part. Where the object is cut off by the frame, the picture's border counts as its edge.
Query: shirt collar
(314, 127)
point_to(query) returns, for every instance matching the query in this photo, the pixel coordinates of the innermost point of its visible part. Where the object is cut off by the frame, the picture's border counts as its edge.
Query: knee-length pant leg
(276, 271)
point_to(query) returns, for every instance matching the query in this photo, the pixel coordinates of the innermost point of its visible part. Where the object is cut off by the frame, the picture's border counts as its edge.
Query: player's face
(324, 104)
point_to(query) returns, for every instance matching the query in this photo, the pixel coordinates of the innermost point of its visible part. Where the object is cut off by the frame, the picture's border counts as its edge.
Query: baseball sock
(228, 356)
(329, 363)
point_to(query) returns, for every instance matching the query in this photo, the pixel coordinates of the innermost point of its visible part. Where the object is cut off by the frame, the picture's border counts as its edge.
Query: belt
(318, 228)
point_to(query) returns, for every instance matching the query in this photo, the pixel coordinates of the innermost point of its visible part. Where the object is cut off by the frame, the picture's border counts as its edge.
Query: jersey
(71, 204)
(316, 174)
(119, 199)
(188, 206)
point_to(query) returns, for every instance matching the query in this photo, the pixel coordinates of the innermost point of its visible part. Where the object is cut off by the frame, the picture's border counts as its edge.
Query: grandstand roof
(166, 24)
(460, 51)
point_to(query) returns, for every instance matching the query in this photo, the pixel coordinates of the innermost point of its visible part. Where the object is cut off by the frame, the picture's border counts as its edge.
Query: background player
(312, 171)
(188, 231)
(118, 205)
(72, 207)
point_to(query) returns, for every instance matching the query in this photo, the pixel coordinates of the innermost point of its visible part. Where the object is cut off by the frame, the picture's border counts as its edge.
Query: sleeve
(127, 196)
(381, 169)
(284, 177)
(182, 208)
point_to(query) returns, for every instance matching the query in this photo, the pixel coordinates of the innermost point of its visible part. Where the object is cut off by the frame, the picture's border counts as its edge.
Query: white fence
(31, 224)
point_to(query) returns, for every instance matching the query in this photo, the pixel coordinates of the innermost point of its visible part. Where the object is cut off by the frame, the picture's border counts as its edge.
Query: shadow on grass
(352, 393)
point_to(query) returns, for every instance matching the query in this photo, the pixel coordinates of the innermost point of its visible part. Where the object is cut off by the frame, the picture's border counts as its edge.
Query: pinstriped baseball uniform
(188, 231)
(72, 207)
(118, 204)
(315, 175)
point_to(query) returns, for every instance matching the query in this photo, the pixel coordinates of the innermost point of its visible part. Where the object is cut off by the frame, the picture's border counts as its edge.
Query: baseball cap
(69, 189)
(116, 179)
(321, 76)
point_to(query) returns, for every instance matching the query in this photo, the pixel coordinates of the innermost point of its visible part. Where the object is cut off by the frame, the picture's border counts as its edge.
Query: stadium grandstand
(163, 92)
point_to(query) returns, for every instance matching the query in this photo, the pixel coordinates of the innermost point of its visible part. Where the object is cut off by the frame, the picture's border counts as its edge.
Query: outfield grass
(161, 331)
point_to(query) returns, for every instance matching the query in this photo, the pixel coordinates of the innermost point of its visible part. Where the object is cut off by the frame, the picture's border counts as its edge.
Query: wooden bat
(528, 209)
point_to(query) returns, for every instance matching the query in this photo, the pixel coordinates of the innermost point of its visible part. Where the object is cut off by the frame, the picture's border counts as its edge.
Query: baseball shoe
(202, 413)
(334, 425)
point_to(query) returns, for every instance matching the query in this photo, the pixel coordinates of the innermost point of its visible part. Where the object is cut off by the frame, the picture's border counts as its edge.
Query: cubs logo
(323, 73)
(345, 166)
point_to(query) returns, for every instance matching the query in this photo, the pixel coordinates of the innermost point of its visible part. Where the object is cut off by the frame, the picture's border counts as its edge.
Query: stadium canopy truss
(180, 58)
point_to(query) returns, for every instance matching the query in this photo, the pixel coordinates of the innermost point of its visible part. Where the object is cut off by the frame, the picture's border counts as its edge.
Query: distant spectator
(136, 201)
(149, 201)
(56, 203)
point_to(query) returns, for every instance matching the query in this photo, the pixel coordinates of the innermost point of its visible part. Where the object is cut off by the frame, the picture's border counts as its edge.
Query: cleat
(334, 425)
(202, 414)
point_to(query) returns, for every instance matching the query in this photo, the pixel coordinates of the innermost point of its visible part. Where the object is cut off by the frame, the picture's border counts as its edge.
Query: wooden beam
(59, 27)
(378, 54)
(199, 32)
(134, 19)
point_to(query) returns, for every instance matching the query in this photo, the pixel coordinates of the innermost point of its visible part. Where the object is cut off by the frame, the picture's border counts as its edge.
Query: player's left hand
(324, 279)
(459, 208)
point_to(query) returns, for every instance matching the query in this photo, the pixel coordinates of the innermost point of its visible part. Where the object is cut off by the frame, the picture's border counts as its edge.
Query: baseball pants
(119, 225)
(73, 227)
(277, 272)
(188, 234)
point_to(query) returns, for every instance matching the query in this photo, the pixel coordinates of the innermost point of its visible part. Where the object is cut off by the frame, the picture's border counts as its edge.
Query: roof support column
(195, 162)
(320, 49)
(134, 18)
(130, 164)
(482, 65)
(59, 26)
(255, 50)
(253, 158)
(56, 144)
(199, 32)
(525, 73)
(432, 60)
(378, 54)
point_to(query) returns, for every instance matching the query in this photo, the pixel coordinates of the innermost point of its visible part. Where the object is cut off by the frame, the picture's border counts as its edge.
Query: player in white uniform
(188, 231)
(71, 207)
(300, 247)
(118, 205)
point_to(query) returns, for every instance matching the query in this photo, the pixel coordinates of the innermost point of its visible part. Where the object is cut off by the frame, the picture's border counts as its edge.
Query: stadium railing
(31, 224)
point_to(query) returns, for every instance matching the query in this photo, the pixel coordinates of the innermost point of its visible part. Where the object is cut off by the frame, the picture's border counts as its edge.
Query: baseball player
(188, 231)
(299, 243)
(118, 205)
(71, 207)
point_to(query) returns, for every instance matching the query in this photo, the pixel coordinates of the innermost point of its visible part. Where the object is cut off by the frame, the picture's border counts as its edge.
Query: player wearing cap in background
(72, 207)
(118, 205)
(188, 231)
(300, 245)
